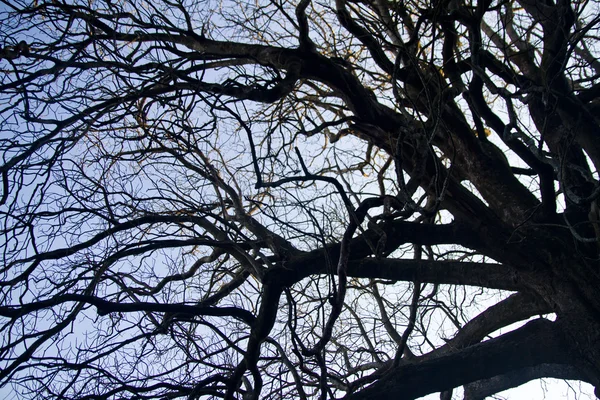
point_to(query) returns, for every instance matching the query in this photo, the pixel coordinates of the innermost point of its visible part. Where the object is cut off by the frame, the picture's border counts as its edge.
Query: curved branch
(364, 36)
(515, 308)
(260, 330)
(535, 343)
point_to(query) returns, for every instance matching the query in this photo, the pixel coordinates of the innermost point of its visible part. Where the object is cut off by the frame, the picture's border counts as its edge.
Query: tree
(306, 199)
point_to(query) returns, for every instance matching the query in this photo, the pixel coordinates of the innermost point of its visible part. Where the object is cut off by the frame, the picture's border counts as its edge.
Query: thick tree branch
(364, 36)
(535, 343)
(497, 276)
(106, 307)
(517, 307)
(397, 233)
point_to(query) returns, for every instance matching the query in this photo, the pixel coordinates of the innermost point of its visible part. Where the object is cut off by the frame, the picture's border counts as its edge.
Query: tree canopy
(298, 199)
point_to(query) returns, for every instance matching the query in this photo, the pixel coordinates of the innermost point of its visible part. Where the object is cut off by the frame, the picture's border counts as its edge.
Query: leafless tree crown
(304, 199)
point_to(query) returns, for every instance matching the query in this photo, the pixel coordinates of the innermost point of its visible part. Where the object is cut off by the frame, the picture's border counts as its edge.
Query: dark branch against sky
(298, 199)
